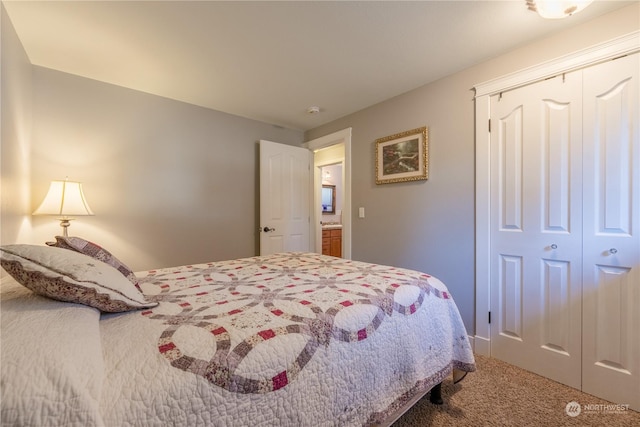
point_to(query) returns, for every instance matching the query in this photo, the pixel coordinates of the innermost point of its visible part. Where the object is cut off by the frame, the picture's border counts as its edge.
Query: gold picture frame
(403, 157)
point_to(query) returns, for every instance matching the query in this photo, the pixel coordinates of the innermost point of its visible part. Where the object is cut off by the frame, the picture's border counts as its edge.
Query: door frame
(340, 137)
(601, 52)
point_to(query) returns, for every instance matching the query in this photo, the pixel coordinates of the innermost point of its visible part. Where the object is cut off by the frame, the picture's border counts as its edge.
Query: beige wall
(429, 225)
(170, 183)
(15, 108)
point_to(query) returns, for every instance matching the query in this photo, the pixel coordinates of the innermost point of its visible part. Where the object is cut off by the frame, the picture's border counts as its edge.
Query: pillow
(70, 276)
(95, 251)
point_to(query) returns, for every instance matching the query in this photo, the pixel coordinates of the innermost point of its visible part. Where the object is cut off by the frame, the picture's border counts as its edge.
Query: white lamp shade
(557, 9)
(65, 198)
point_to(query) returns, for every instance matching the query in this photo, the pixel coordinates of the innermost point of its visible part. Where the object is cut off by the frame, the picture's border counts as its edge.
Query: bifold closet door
(611, 275)
(536, 227)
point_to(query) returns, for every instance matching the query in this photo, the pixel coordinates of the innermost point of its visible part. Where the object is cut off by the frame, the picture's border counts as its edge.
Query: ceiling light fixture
(313, 110)
(557, 9)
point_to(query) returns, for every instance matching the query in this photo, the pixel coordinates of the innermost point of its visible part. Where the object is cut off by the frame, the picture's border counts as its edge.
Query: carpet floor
(499, 394)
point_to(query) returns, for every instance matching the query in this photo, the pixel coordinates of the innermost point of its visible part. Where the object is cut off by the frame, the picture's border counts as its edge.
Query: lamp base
(65, 223)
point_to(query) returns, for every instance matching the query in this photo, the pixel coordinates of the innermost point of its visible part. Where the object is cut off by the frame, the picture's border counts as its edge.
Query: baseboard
(472, 341)
(481, 346)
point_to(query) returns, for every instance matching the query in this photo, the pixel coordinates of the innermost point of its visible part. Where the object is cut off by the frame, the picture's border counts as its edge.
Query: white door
(284, 198)
(536, 241)
(565, 229)
(611, 277)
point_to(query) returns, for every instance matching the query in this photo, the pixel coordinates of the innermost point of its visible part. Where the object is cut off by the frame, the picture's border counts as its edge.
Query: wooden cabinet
(332, 242)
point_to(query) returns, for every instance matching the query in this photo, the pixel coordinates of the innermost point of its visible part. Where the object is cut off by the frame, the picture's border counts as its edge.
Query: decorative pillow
(95, 251)
(70, 276)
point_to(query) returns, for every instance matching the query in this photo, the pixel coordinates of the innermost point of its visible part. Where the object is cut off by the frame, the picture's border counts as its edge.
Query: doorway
(331, 151)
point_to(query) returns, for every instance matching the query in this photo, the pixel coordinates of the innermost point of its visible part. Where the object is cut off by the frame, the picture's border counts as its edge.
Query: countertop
(331, 226)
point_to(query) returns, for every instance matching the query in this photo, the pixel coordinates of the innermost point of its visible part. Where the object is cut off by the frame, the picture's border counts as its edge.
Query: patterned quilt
(295, 339)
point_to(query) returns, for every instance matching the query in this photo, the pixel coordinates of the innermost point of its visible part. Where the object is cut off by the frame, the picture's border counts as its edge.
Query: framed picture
(402, 157)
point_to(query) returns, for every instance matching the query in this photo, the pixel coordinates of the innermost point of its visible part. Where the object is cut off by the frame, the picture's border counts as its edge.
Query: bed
(291, 339)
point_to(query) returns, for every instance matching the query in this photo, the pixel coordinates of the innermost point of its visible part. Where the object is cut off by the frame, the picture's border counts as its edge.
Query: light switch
(361, 213)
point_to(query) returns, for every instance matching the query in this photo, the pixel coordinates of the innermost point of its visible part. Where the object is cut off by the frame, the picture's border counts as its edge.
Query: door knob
(267, 229)
(554, 246)
(613, 251)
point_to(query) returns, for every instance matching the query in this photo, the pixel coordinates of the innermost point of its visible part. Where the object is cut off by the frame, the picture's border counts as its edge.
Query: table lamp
(64, 199)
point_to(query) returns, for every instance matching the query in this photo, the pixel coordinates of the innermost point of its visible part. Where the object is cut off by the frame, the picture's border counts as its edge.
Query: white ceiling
(270, 61)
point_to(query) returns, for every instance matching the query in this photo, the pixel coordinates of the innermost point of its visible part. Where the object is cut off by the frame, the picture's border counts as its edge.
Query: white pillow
(70, 276)
(95, 251)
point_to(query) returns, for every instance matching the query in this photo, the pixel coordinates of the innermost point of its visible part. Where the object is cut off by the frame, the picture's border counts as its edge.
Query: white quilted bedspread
(291, 339)
(286, 340)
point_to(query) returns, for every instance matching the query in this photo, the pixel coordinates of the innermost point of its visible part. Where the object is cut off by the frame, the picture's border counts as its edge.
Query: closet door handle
(613, 251)
(554, 246)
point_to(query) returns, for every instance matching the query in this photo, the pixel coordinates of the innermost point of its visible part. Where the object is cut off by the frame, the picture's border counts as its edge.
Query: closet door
(536, 227)
(611, 276)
